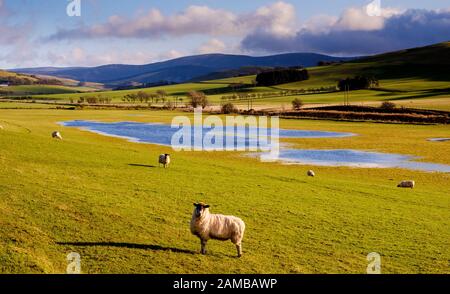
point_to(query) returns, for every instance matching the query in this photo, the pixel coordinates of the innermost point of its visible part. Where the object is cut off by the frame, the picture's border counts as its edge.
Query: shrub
(169, 105)
(388, 105)
(297, 104)
(228, 108)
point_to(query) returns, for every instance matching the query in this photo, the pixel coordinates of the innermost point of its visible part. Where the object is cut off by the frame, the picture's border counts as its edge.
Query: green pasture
(107, 199)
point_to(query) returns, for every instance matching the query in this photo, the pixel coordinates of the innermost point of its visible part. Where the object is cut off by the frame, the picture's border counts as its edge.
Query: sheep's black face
(200, 209)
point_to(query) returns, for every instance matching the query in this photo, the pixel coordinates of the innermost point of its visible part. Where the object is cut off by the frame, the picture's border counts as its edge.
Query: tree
(131, 97)
(161, 93)
(153, 97)
(198, 99)
(297, 104)
(142, 96)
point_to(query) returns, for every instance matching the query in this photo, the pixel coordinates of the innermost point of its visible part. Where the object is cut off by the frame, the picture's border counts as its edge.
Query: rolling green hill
(21, 84)
(415, 77)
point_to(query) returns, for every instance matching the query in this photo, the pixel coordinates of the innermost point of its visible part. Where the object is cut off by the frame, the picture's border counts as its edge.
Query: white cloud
(356, 18)
(212, 46)
(277, 18)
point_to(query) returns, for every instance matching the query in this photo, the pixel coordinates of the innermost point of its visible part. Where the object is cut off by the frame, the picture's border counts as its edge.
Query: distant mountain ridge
(178, 70)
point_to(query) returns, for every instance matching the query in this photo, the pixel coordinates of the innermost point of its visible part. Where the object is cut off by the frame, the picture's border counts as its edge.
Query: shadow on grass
(126, 245)
(141, 165)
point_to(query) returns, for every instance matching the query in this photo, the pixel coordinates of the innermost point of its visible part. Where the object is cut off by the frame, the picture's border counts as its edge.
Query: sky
(37, 33)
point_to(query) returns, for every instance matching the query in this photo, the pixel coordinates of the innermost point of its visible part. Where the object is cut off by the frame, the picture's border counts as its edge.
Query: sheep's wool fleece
(217, 226)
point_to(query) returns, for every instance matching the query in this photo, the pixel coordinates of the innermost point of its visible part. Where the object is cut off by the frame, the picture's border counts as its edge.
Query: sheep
(217, 227)
(164, 159)
(311, 173)
(407, 184)
(56, 135)
(1, 127)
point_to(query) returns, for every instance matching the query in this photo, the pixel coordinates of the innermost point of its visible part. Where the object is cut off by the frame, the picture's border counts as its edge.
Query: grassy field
(46, 89)
(104, 198)
(422, 92)
(28, 105)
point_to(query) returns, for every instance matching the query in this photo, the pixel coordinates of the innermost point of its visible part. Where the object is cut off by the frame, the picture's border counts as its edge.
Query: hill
(12, 78)
(15, 84)
(423, 68)
(178, 70)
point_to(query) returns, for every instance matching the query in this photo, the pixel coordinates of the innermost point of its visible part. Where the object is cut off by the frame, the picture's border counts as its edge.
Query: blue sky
(40, 33)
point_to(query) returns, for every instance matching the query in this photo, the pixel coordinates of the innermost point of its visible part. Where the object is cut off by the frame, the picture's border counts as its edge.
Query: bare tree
(198, 99)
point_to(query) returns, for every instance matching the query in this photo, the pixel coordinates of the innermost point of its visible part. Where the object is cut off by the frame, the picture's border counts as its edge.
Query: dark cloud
(411, 28)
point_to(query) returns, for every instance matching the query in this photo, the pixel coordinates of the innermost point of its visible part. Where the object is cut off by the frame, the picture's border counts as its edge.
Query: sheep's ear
(195, 204)
(206, 206)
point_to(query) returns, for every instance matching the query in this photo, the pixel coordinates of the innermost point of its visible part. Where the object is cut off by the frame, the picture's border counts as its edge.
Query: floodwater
(353, 158)
(161, 134)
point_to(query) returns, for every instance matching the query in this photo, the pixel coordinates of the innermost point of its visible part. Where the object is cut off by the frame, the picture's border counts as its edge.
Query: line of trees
(99, 99)
(281, 76)
(144, 97)
(358, 83)
(195, 99)
(246, 96)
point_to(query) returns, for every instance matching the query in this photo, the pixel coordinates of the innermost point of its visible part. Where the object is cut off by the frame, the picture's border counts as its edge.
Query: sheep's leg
(203, 242)
(239, 249)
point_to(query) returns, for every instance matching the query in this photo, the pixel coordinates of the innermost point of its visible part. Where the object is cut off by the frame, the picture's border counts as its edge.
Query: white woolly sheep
(407, 184)
(311, 173)
(217, 227)
(164, 159)
(56, 135)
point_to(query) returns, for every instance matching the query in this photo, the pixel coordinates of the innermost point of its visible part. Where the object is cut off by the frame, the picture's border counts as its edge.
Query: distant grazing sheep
(56, 135)
(217, 227)
(164, 159)
(311, 173)
(407, 184)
